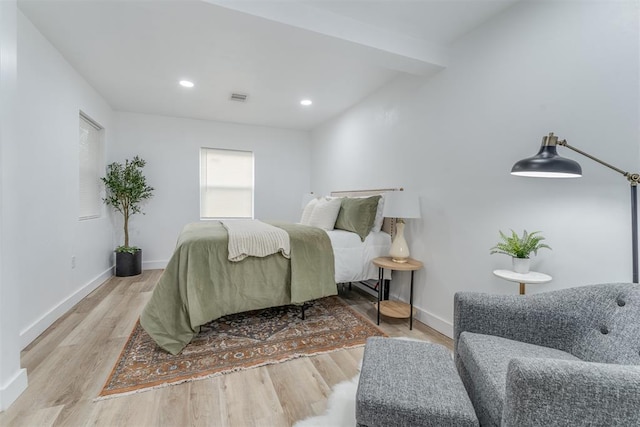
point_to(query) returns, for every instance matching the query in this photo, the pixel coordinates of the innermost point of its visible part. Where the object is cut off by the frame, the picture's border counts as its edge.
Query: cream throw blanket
(250, 237)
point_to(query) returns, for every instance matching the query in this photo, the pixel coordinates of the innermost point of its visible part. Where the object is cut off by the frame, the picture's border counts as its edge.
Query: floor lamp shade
(400, 205)
(547, 163)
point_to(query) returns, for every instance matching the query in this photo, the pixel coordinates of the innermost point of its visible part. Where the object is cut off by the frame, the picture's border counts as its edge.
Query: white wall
(50, 95)
(171, 147)
(13, 379)
(567, 67)
(40, 226)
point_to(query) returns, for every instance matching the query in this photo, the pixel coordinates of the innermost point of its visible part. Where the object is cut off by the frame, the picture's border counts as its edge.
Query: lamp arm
(633, 178)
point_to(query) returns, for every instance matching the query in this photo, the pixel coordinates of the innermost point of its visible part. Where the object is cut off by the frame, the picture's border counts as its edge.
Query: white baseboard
(431, 320)
(31, 332)
(154, 265)
(439, 324)
(12, 389)
(435, 322)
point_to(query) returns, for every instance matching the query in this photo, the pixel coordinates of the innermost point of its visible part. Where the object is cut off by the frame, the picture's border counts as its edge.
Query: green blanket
(200, 284)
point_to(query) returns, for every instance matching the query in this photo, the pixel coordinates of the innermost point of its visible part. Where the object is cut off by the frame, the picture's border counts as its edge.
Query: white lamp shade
(401, 204)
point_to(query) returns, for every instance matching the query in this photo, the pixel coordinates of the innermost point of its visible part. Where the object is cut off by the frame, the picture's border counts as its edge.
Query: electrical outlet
(73, 261)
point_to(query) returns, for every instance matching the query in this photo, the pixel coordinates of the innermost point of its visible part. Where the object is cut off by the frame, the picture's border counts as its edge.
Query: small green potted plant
(126, 188)
(520, 248)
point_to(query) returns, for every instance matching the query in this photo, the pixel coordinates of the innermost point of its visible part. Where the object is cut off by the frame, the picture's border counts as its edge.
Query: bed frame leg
(304, 306)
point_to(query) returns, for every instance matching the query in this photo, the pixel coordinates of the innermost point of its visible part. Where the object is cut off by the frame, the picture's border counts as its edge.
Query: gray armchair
(567, 357)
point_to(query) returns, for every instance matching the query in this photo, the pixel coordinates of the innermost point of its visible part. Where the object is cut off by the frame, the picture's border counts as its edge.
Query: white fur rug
(341, 407)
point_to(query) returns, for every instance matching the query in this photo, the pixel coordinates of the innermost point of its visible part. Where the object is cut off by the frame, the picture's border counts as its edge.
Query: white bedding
(353, 257)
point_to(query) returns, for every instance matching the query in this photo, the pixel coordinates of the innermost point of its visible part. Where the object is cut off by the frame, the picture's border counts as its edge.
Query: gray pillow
(357, 215)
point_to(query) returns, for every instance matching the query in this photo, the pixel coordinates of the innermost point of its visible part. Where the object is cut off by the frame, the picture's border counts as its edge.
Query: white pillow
(306, 213)
(377, 223)
(325, 213)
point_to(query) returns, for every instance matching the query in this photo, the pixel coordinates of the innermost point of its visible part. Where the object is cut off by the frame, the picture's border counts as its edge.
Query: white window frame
(208, 188)
(90, 168)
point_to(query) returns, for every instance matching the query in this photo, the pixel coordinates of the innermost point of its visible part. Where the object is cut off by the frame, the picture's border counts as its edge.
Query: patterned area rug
(238, 342)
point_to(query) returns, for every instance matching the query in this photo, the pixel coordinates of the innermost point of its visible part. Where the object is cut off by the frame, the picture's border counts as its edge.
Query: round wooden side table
(397, 309)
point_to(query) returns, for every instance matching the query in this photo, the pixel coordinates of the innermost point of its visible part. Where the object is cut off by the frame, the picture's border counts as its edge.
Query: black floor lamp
(548, 164)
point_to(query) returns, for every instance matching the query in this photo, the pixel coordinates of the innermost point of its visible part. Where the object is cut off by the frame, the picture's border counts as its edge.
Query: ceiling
(278, 52)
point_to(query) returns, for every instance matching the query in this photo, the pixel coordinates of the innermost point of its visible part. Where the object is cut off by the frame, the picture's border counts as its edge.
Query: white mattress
(353, 257)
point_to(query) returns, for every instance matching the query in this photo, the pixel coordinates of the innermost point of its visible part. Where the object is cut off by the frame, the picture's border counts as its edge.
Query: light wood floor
(68, 364)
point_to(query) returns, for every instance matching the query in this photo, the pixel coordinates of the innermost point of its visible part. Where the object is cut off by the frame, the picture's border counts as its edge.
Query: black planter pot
(128, 264)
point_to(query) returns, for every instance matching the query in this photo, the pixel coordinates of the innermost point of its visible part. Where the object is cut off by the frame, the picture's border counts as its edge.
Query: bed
(200, 284)
(352, 255)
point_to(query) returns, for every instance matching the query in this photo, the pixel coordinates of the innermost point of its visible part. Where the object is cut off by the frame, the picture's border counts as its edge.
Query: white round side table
(530, 277)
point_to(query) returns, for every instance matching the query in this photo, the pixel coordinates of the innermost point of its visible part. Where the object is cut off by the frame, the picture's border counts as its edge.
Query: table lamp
(548, 164)
(400, 205)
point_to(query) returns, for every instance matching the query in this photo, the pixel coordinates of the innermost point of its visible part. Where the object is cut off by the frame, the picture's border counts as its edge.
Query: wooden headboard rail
(389, 224)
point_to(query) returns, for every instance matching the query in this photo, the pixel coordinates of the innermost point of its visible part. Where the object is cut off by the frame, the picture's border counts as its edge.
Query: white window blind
(90, 150)
(226, 183)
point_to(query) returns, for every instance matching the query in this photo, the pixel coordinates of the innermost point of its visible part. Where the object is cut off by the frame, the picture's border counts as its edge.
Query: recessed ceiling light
(306, 102)
(186, 83)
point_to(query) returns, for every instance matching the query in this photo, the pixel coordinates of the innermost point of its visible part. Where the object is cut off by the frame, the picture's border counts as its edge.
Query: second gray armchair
(561, 358)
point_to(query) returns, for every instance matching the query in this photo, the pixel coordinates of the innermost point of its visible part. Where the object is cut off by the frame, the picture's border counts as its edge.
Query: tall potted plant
(126, 188)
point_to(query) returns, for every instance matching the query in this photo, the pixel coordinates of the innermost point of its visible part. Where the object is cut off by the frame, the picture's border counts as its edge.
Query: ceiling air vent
(239, 97)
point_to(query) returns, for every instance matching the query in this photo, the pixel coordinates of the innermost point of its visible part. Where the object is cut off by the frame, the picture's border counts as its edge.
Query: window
(226, 183)
(90, 150)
